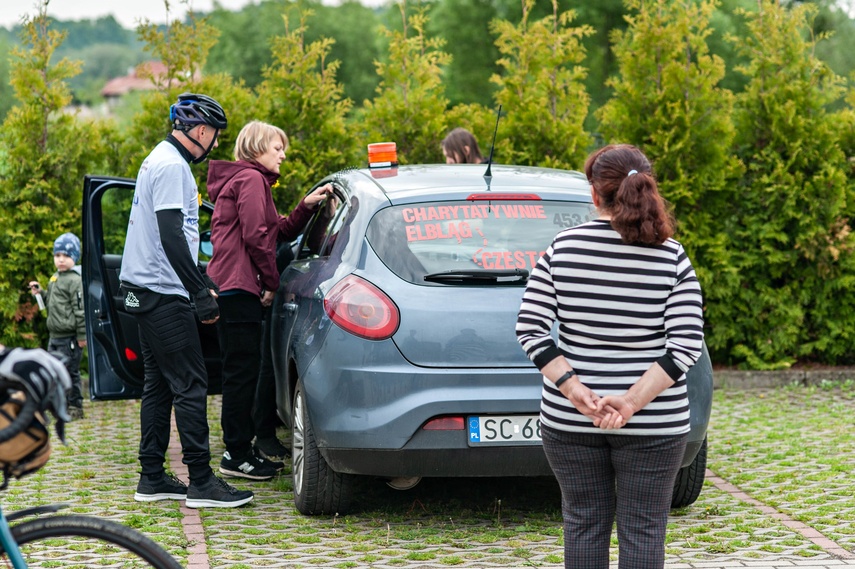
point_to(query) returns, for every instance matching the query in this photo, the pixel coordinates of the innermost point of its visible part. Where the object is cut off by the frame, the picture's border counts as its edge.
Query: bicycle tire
(111, 544)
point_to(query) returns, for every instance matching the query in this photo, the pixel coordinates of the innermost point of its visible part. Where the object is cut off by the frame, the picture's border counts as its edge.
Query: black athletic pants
(264, 412)
(239, 329)
(175, 376)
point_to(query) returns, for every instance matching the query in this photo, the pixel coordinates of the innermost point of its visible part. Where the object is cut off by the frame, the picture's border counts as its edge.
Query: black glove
(38, 372)
(206, 305)
(210, 283)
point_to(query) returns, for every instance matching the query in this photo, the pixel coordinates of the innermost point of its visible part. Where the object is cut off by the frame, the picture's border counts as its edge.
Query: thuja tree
(410, 104)
(846, 119)
(7, 98)
(542, 90)
(44, 155)
(794, 260)
(183, 48)
(668, 101)
(465, 26)
(300, 94)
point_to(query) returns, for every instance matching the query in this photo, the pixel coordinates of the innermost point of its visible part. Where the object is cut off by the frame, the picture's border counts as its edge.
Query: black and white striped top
(619, 309)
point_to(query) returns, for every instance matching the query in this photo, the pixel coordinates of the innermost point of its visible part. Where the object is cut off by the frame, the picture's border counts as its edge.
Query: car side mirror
(205, 245)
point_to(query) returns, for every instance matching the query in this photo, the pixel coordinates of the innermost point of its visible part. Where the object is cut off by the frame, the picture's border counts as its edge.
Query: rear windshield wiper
(480, 276)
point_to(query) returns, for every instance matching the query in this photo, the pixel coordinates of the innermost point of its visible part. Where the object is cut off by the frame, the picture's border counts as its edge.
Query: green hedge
(760, 180)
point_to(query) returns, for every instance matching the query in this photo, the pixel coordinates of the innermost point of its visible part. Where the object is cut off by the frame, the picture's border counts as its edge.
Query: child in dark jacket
(65, 321)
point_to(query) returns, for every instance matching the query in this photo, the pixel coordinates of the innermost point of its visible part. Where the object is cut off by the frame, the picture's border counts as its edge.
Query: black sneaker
(276, 465)
(271, 448)
(167, 488)
(216, 493)
(250, 467)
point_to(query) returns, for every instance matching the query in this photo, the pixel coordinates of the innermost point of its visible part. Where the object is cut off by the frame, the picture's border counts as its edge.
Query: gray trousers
(606, 478)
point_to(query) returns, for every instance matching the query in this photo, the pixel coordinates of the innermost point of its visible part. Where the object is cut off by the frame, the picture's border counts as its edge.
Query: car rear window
(415, 240)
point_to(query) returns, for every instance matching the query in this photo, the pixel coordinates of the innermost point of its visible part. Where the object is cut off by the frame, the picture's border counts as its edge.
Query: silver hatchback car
(393, 331)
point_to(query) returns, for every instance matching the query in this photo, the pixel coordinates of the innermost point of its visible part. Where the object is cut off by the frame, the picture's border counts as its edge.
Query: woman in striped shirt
(614, 407)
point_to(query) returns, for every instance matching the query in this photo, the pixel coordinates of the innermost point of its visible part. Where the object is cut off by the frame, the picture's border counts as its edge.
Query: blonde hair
(254, 140)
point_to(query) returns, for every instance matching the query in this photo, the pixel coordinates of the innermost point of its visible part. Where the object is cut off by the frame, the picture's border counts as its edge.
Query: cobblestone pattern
(96, 473)
(463, 524)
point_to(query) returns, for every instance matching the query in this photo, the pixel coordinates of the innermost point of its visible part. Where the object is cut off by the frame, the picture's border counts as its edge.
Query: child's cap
(69, 244)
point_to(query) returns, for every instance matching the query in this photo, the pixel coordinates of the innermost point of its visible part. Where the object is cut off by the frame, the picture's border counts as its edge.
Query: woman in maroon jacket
(244, 231)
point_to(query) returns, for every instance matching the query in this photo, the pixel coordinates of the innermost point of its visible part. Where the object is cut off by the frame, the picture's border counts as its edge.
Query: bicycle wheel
(84, 542)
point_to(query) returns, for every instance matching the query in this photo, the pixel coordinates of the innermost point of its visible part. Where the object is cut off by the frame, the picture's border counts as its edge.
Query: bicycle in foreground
(33, 383)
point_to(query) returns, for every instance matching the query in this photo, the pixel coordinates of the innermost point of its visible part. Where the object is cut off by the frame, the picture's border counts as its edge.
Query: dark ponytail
(623, 180)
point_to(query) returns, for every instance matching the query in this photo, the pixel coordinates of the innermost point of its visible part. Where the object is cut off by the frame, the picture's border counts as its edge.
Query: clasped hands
(609, 412)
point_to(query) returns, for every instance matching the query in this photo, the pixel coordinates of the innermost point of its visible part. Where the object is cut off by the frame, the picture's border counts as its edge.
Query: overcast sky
(130, 12)
(127, 12)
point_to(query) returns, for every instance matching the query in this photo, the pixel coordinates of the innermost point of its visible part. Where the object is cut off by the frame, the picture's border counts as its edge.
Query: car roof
(406, 184)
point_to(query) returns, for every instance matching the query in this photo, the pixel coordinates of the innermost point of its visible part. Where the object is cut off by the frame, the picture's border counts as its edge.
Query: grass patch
(791, 448)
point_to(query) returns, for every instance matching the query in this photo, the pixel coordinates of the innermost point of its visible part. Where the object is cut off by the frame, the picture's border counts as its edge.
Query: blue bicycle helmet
(192, 109)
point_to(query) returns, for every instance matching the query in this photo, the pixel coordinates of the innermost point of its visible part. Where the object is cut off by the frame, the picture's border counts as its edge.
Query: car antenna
(488, 175)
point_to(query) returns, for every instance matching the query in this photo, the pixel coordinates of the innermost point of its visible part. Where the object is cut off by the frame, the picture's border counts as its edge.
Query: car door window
(115, 211)
(323, 228)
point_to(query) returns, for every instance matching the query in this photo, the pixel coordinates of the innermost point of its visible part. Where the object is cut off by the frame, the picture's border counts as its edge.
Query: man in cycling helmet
(189, 117)
(162, 285)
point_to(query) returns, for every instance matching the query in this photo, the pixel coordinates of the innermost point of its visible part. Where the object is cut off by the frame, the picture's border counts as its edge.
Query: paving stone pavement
(97, 472)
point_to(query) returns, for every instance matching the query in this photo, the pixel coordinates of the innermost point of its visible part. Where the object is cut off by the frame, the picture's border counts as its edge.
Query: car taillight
(444, 424)
(362, 309)
(130, 355)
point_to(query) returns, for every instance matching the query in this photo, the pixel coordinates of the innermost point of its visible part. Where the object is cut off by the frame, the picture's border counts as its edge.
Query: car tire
(318, 489)
(690, 480)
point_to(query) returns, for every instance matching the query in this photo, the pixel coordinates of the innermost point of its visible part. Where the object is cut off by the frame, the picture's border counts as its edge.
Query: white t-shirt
(164, 182)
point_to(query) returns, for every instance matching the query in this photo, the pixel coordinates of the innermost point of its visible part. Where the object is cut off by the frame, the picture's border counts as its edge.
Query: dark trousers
(264, 414)
(71, 354)
(239, 330)
(606, 477)
(175, 376)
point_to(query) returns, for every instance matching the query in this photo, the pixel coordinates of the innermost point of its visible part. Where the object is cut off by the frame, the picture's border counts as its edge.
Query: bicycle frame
(10, 546)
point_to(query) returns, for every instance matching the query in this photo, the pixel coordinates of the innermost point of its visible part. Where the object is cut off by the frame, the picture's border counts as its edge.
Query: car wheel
(690, 480)
(318, 489)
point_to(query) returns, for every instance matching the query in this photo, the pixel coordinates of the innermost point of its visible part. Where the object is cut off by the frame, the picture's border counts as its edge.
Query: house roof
(134, 81)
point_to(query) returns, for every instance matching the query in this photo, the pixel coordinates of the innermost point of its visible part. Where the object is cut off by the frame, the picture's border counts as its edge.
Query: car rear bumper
(441, 454)
(446, 453)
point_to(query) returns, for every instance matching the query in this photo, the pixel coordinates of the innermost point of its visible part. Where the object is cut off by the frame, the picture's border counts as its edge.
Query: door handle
(290, 307)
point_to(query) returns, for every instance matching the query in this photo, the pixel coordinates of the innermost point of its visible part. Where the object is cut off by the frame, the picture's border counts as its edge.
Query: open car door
(113, 343)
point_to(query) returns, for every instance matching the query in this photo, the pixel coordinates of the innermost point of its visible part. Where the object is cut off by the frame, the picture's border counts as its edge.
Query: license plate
(504, 430)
